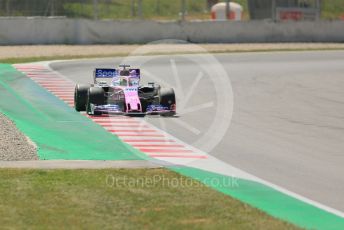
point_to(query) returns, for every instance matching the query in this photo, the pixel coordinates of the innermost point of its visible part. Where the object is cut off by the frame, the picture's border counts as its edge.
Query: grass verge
(120, 199)
(16, 60)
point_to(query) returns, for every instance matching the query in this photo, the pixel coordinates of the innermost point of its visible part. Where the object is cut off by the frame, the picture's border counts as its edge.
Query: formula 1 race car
(117, 91)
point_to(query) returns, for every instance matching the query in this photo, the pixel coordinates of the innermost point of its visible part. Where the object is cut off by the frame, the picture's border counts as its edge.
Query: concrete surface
(77, 164)
(20, 31)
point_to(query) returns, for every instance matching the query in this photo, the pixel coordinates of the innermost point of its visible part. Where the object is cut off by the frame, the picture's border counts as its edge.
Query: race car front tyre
(167, 98)
(95, 96)
(80, 96)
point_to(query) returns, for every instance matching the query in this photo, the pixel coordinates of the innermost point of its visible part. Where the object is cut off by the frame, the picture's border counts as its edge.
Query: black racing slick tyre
(167, 98)
(80, 97)
(95, 96)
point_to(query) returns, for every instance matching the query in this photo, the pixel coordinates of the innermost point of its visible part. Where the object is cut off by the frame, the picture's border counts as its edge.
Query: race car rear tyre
(80, 96)
(95, 96)
(167, 98)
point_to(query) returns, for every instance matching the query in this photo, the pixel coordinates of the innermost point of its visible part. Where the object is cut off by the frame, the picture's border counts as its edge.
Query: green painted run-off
(267, 199)
(58, 131)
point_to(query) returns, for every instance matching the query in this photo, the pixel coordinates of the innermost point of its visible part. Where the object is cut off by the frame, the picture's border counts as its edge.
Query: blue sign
(105, 73)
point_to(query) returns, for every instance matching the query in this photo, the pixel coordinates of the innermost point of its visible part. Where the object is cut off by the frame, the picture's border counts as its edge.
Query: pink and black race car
(118, 91)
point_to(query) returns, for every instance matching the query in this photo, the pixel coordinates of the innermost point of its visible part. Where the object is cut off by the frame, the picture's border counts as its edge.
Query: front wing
(116, 109)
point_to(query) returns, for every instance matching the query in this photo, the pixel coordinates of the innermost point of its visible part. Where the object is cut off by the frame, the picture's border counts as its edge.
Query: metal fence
(285, 10)
(107, 9)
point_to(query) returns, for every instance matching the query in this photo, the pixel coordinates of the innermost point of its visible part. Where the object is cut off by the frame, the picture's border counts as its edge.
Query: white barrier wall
(14, 31)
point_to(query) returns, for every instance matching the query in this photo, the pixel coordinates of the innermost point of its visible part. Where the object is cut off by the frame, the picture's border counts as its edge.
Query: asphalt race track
(288, 118)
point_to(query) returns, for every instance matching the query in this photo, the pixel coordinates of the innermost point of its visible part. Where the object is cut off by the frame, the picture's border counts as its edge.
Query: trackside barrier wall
(18, 31)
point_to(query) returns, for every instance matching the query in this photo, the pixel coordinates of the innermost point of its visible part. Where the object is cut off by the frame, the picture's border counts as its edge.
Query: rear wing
(111, 73)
